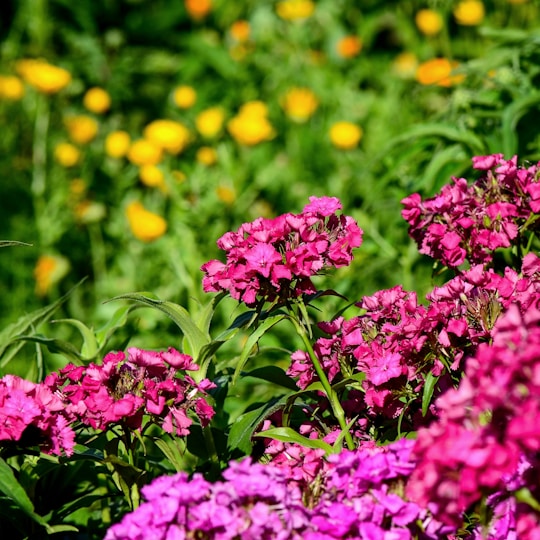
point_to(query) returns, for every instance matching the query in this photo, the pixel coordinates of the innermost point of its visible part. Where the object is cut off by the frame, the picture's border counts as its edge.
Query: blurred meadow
(136, 132)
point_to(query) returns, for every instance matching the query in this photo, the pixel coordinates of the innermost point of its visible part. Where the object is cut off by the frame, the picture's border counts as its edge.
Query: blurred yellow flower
(251, 126)
(145, 225)
(11, 87)
(299, 104)
(206, 155)
(240, 30)
(77, 188)
(405, 65)
(89, 212)
(43, 76)
(469, 12)
(345, 135)
(184, 96)
(81, 128)
(49, 270)
(171, 136)
(117, 143)
(226, 194)
(349, 46)
(97, 100)
(198, 9)
(210, 121)
(144, 152)
(295, 9)
(438, 71)
(152, 176)
(429, 22)
(67, 155)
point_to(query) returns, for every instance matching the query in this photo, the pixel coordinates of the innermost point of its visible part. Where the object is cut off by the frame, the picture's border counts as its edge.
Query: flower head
(299, 104)
(438, 71)
(251, 125)
(429, 22)
(210, 121)
(184, 96)
(11, 87)
(295, 9)
(143, 152)
(117, 144)
(169, 135)
(206, 155)
(240, 30)
(349, 46)
(469, 12)
(49, 269)
(97, 100)
(345, 135)
(145, 225)
(43, 76)
(198, 9)
(66, 154)
(81, 128)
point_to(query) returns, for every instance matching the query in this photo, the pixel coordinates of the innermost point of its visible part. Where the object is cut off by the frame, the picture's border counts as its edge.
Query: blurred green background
(127, 217)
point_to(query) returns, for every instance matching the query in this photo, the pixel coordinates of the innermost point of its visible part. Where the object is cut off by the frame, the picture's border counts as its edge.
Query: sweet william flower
(145, 225)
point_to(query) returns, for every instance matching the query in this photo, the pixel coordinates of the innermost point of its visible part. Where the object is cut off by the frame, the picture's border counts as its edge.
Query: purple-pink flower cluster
(32, 415)
(124, 390)
(468, 222)
(486, 439)
(275, 259)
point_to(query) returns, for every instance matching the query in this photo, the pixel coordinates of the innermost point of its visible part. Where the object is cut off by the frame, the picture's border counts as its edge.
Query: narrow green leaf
(510, 118)
(253, 340)
(90, 346)
(171, 452)
(273, 374)
(429, 387)
(286, 434)
(118, 319)
(54, 345)
(9, 243)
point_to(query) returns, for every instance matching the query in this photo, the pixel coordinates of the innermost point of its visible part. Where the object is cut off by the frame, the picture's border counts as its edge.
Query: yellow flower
(117, 143)
(82, 129)
(226, 194)
(89, 212)
(206, 155)
(144, 152)
(198, 9)
(251, 126)
(210, 121)
(240, 31)
(171, 136)
(295, 9)
(66, 154)
(43, 76)
(349, 46)
(469, 12)
(152, 176)
(299, 104)
(405, 65)
(11, 87)
(429, 22)
(49, 270)
(345, 135)
(438, 71)
(145, 225)
(97, 100)
(184, 96)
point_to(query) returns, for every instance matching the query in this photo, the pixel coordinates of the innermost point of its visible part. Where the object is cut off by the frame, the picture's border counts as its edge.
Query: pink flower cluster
(397, 342)
(32, 415)
(486, 441)
(275, 259)
(123, 390)
(468, 222)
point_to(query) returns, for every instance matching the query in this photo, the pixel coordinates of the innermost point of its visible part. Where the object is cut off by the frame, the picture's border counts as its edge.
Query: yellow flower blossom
(226, 194)
(295, 9)
(81, 128)
(43, 76)
(11, 87)
(97, 100)
(299, 104)
(67, 155)
(240, 31)
(144, 152)
(152, 176)
(405, 65)
(210, 121)
(349, 46)
(251, 125)
(429, 22)
(171, 136)
(184, 96)
(438, 71)
(198, 9)
(206, 155)
(117, 143)
(145, 225)
(469, 12)
(49, 270)
(345, 135)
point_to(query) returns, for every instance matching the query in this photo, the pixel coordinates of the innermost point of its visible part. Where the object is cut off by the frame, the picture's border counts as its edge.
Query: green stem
(337, 409)
(212, 452)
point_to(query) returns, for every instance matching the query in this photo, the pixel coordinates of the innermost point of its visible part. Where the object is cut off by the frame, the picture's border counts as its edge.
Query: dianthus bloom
(124, 389)
(31, 415)
(271, 259)
(469, 222)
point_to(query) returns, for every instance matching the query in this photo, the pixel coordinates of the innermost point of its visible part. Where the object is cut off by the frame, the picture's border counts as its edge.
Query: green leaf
(253, 340)
(58, 346)
(9, 243)
(510, 118)
(429, 387)
(171, 451)
(273, 374)
(196, 339)
(10, 487)
(286, 434)
(90, 346)
(118, 319)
